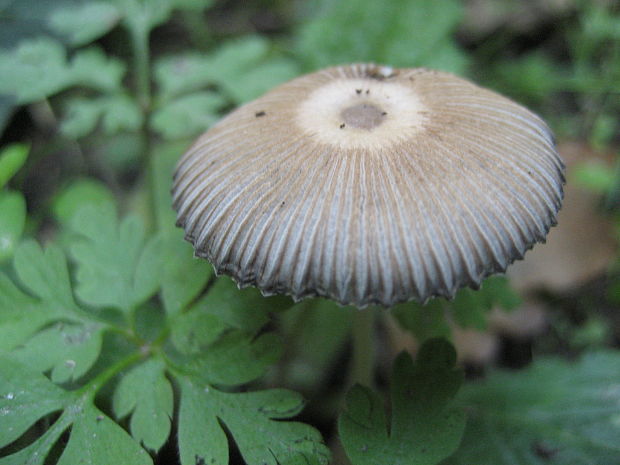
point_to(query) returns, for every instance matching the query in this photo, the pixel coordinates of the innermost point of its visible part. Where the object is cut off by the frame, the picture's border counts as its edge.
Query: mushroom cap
(370, 185)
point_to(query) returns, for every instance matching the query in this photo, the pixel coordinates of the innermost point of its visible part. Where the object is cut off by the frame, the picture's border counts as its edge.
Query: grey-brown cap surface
(370, 185)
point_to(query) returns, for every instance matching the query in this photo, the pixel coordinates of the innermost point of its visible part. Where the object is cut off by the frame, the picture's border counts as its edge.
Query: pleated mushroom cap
(370, 185)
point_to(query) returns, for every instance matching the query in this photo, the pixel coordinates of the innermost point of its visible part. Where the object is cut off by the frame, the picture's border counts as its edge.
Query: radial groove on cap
(439, 184)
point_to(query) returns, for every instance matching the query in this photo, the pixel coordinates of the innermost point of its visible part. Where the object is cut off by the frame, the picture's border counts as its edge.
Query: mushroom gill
(370, 185)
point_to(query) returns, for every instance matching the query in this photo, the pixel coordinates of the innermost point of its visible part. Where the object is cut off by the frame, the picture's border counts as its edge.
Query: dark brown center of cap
(362, 116)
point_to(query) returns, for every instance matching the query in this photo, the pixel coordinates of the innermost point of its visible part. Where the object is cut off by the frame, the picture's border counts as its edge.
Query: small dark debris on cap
(258, 114)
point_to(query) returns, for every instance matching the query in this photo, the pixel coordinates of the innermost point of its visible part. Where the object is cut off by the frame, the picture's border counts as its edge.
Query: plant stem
(141, 53)
(363, 364)
(92, 387)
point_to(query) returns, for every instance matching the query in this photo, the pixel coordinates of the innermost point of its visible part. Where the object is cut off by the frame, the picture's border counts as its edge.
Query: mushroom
(370, 185)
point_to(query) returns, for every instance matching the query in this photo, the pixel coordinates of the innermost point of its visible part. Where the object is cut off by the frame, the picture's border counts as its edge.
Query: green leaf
(596, 177)
(552, 412)
(244, 309)
(76, 195)
(424, 428)
(242, 68)
(45, 274)
(83, 23)
(254, 82)
(68, 350)
(187, 116)
(469, 308)
(38, 68)
(12, 221)
(250, 418)
(423, 321)
(184, 276)
(200, 436)
(146, 393)
(25, 397)
(20, 315)
(33, 70)
(236, 358)
(193, 331)
(115, 267)
(117, 113)
(96, 440)
(529, 78)
(164, 159)
(12, 158)
(401, 33)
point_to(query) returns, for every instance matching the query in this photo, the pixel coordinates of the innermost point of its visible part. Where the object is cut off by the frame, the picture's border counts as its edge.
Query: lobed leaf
(195, 330)
(20, 315)
(85, 22)
(188, 115)
(117, 113)
(184, 276)
(245, 309)
(236, 358)
(38, 68)
(76, 195)
(25, 397)
(250, 419)
(115, 267)
(45, 274)
(242, 68)
(97, 440)
(146, 393)
(66, 349)
(554, 411)
(424, 427)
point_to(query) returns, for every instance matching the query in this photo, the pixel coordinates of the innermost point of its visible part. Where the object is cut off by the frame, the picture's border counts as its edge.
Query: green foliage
(27, 396)
(424, 428)
(113, 336)
(83, 23)
(591, 76)
(187, 115)
(146, 393)
(76, 195)
(242, 69)
(12, 158)
(595, 177)
(117, 267)
(409, 33)
(245, 415)
(115, 112)
(553, 412)
(468, 309)
(39, 68)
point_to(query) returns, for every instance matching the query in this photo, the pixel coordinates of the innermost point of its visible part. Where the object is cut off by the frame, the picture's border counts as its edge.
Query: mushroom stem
(363, 361)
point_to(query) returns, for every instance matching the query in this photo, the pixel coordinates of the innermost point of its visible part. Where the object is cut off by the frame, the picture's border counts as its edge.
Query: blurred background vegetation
(93, 112)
